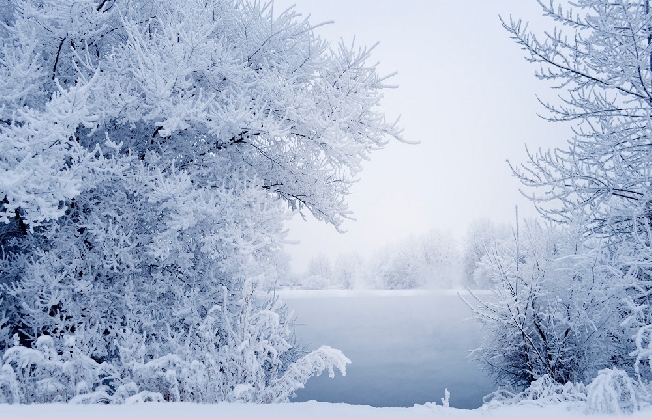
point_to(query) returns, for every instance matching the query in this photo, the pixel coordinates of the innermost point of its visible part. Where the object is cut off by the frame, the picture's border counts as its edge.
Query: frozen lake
(405, 346)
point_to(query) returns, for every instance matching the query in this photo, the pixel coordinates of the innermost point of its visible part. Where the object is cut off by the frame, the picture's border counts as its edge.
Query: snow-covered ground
(312, 410)
(406, 347)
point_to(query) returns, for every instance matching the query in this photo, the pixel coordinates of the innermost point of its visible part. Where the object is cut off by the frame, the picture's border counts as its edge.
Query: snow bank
(313, 410)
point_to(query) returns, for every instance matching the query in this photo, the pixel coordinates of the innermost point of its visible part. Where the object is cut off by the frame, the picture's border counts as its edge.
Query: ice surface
(406, 347)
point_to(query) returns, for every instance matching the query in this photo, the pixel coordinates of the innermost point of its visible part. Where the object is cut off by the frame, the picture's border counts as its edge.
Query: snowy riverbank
(313, 410)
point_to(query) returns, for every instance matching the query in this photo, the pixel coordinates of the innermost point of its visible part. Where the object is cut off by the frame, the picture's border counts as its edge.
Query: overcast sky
(465, 93)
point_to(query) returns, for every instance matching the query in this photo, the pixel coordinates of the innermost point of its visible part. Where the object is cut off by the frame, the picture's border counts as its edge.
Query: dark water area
(405, 347)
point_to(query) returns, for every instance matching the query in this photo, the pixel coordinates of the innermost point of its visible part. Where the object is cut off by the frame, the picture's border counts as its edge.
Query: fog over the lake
(465, 93)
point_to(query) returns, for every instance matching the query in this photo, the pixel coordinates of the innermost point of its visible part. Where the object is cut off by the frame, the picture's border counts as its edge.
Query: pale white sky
(465, 92)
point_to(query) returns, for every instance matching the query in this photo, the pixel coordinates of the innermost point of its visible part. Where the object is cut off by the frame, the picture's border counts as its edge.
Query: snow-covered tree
(481, 236)
(599, 56)
(430, 260)
(319, 273)
(348, 270)
(149, 151)
(187, 81)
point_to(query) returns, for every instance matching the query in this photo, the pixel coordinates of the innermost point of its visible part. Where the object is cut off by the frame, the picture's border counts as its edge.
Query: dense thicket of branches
(149, 151)
(599, 56)
(554, 311)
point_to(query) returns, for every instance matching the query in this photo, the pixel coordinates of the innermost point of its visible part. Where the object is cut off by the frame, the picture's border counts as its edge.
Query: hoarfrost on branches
(571, 312)
(149, 152)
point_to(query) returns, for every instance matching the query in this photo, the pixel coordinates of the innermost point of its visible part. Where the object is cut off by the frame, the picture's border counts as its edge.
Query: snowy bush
(47, 373)
(43, 375)
(612, 391)
(541, 392)
(554, 311)
(251, 361)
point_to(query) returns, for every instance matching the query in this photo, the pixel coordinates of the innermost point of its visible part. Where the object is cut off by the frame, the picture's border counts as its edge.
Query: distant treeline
(434, 260)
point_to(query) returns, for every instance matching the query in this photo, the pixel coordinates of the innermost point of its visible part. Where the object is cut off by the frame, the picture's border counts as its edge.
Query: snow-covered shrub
(541, 392)
(42, 375)
(237, 356)
(9, 386)
(50, 373)
(612, 391)
(555, 310)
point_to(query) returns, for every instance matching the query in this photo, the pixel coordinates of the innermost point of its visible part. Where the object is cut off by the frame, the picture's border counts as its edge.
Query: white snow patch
(313, 410)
